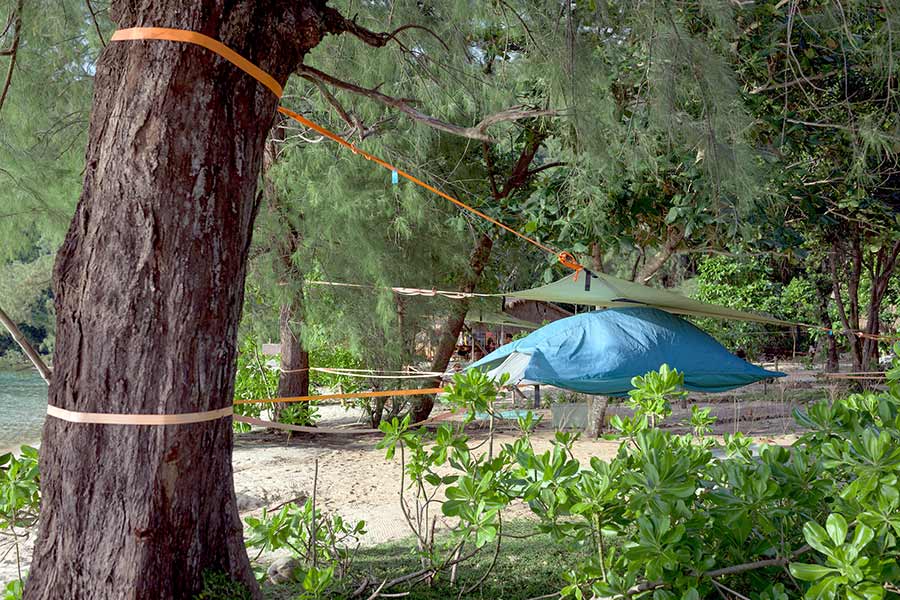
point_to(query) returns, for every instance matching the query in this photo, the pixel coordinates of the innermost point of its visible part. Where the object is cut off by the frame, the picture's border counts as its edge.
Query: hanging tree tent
(601, 351)
(606, 291)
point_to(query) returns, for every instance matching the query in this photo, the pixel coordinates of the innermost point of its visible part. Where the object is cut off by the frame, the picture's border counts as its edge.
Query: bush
(667, 516)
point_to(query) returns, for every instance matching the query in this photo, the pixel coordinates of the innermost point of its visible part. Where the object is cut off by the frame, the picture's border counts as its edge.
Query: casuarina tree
(148, 291)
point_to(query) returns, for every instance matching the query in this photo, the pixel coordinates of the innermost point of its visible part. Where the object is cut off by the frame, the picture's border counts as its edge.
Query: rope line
(408, 291)
(377, 394)
(192, 37)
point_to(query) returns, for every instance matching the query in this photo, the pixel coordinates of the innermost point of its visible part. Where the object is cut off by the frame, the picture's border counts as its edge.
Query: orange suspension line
(192, 37)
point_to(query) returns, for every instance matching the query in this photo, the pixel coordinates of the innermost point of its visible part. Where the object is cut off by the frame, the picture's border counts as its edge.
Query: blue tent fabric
(599, 353)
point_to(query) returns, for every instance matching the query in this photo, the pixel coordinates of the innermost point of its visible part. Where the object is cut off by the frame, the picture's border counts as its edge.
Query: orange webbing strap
(330, 430)
(191, 37)
(336, 138)
(378, 394)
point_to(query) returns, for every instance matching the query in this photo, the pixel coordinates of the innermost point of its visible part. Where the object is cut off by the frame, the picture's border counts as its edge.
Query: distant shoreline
(23, 406)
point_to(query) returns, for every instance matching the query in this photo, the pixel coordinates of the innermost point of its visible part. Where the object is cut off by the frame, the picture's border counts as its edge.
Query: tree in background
(821, 77)
(44, 103)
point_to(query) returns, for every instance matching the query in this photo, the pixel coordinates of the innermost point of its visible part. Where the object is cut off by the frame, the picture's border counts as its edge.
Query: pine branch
(96, 24)
(12, 51)
(335, 24)
(26, 347)
(404, 105)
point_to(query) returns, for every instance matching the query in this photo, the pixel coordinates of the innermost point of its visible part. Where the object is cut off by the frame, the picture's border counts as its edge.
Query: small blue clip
(395, 179)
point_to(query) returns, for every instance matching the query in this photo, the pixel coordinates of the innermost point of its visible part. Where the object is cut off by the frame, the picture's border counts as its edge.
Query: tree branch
(96, 24)
(403, 105)
(545, 167)
(732, 570)
(674, 236)
(336, 24)
(29, 351)
(12, 52)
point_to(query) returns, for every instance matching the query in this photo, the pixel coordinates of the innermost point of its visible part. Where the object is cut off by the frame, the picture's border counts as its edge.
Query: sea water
(23, 405)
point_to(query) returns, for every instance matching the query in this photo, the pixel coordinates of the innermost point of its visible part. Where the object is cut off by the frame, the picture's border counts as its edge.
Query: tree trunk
(294, 377)
(597, 257)
(421, 407)
(596, 421)
(148, 292)
(880, 266)
(674, 237)
(828, 342)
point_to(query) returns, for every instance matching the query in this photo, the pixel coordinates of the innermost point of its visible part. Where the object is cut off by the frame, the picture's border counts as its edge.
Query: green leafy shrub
(14, 590)
(20, 501)
(253, 380)
(666, 516)
(323, 543)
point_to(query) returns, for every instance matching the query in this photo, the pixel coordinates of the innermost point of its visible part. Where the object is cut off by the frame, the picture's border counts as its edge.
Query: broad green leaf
(807, 572)
(836, 526)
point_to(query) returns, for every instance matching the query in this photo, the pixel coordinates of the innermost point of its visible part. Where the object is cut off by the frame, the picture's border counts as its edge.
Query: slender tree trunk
(674, 237)
(827, 342)
(294, 377)
(597, 257)
(25, 345)
(453, 326)
(596, 420)
(148, 292)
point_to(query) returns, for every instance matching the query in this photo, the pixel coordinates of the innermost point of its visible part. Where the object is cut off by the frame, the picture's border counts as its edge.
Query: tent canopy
(493, 317)
(600, 352)
(610, 292)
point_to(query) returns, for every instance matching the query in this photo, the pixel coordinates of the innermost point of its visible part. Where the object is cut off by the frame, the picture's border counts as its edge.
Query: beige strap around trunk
(120, 419)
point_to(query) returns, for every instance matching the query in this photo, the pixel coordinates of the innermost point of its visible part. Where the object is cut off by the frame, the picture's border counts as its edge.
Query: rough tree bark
(148, 292)
(674, 237)
(421, 406)
(596, 420)
(294, 377)
(880, 266)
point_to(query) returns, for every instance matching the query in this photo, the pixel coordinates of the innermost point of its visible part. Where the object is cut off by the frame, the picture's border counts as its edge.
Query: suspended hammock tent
(601, 351)
(611, 292)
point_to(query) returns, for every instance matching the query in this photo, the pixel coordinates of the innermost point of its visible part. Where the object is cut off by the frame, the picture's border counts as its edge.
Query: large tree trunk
(149, 286)
(421, 407)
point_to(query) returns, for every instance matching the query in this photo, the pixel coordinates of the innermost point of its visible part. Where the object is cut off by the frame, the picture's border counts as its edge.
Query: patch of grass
(525, 568)
(220, 586)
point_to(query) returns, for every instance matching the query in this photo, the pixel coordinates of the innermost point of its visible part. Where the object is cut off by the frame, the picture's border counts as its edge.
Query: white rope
(408, 291)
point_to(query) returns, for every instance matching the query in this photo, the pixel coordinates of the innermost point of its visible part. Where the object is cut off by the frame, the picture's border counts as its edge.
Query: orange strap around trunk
(192, 37)
(131, 419)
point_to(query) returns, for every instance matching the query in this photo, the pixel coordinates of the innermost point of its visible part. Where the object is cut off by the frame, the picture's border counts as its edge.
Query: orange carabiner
(567, 259)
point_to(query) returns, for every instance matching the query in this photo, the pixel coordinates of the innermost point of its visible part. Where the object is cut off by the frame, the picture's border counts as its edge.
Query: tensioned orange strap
(192, 37)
